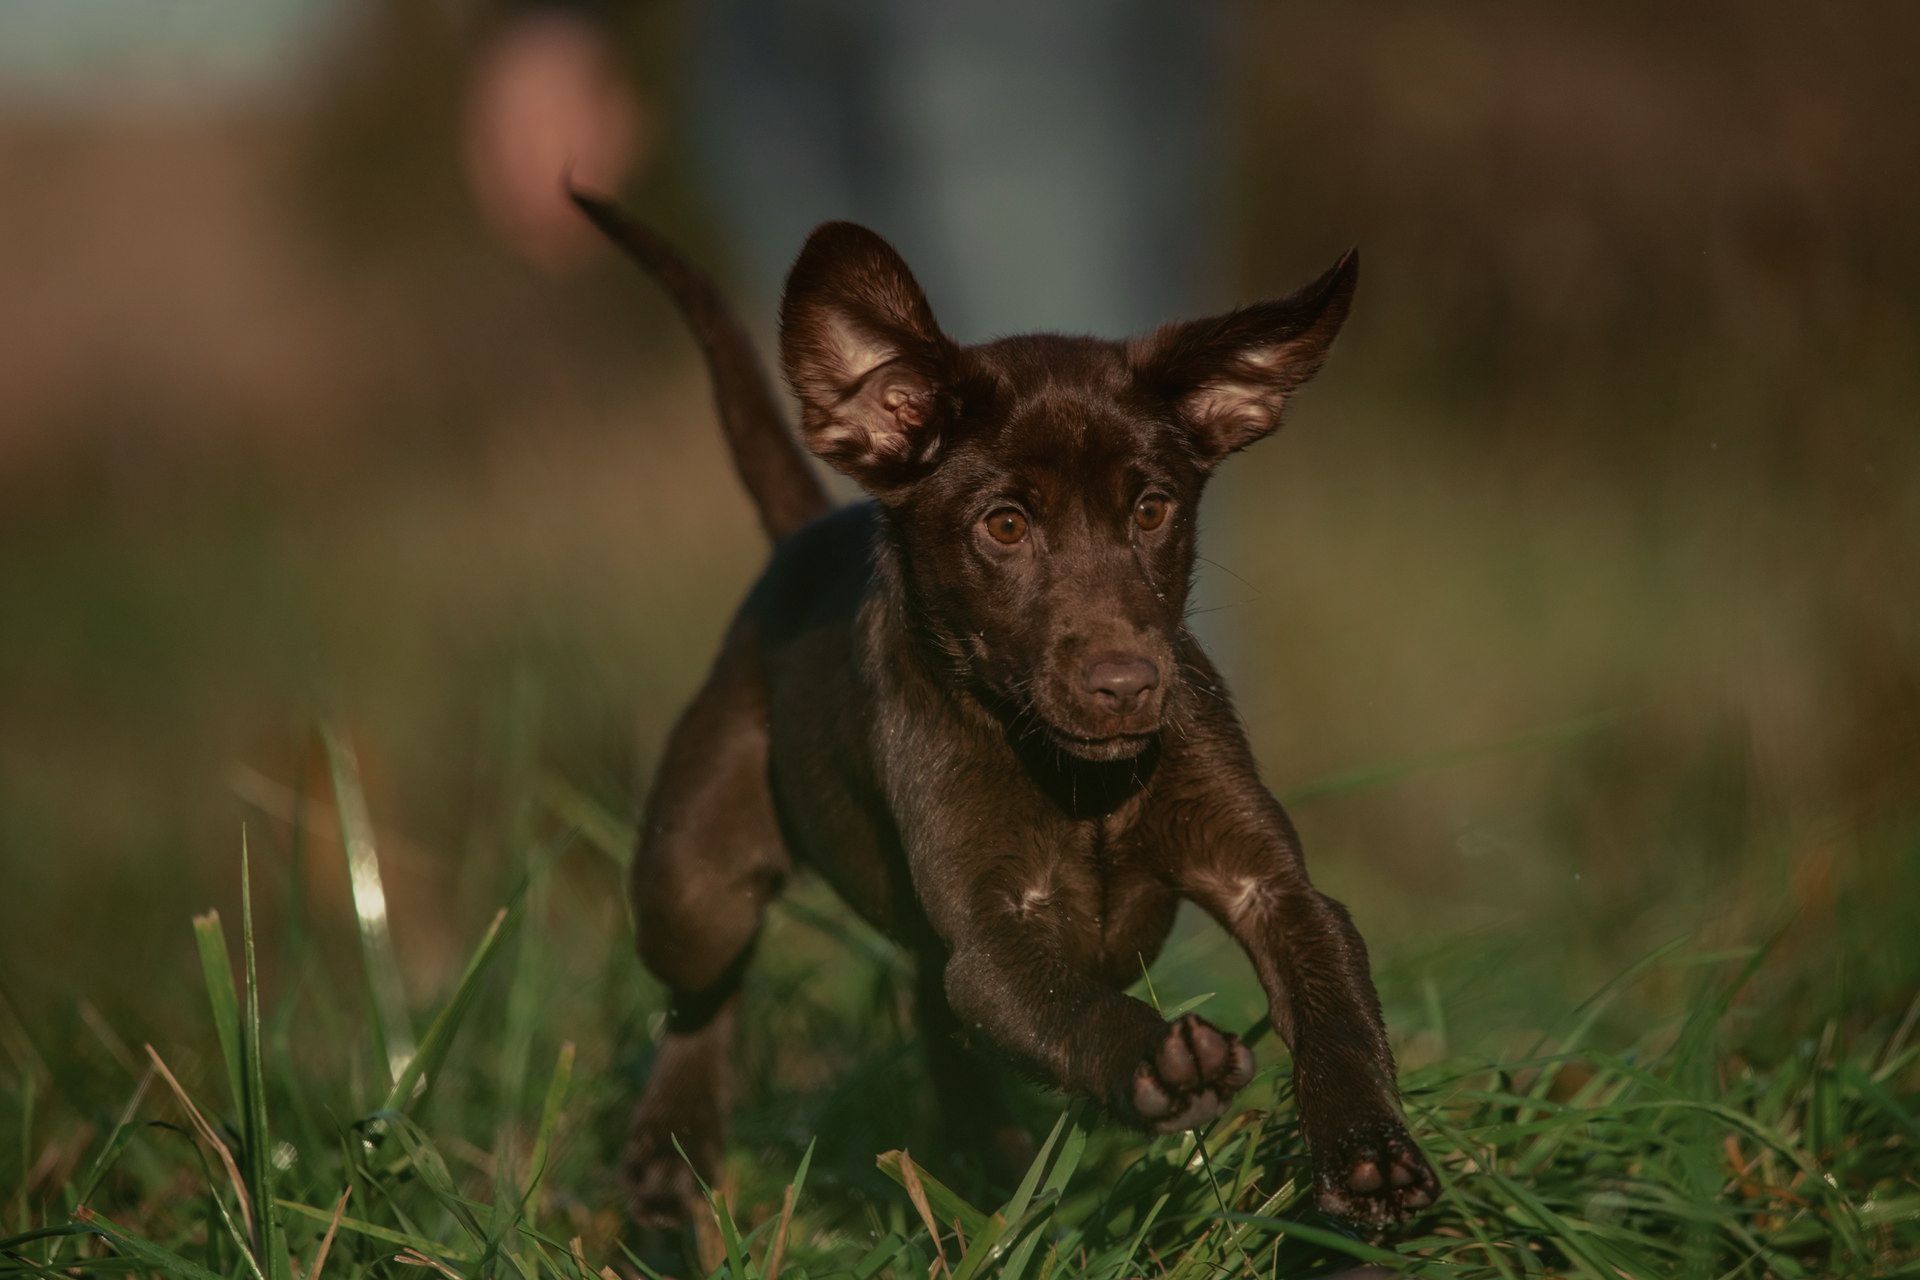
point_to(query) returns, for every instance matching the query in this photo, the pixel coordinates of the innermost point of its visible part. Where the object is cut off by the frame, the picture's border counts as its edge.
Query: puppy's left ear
(1229, 377)
(865, 357)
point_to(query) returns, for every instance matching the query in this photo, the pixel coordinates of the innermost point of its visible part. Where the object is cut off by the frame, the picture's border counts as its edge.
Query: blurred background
(1573, 609)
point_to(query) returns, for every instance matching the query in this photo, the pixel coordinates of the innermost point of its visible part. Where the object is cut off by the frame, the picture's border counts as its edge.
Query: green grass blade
(116, 1139)
(385, 1235)
(164, 1261)
(1022, 1253)
(730, 1237)
(883, 1252)
(606, 832)
(1121, 1261)
(982, 1249)
(256, 1136)
(723, 1217)
(1187, 1006)
(1359, 1250)
(1023, 1194)
(387, 994)
(416, 1078)
(550, 1118)
(1071, 1150)
(224, 999)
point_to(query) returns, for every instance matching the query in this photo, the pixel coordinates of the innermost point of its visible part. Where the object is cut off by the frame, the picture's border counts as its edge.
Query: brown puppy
(973, 706)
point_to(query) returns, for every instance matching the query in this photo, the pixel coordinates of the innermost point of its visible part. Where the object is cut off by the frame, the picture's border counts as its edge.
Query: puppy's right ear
(865, 357)
(1229, 377)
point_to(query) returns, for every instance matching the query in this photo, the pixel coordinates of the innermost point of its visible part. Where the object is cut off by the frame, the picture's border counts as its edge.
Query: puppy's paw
(1189, 1077)
(1372, 1175)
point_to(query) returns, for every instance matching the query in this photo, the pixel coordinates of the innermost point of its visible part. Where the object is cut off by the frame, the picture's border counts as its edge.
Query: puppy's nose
(1120, 684)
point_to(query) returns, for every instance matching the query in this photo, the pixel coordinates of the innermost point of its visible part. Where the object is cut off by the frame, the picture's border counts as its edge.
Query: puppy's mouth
(1101, 750)
(1091, 733)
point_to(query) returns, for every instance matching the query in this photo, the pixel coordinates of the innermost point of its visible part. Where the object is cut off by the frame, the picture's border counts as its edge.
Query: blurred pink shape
(548, 101)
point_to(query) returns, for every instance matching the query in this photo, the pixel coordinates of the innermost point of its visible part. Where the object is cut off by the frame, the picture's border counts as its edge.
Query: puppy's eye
(1006, 526)
(1151, 511)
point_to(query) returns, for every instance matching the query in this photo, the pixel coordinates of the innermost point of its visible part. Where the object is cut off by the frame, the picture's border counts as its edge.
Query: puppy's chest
(1090, 887)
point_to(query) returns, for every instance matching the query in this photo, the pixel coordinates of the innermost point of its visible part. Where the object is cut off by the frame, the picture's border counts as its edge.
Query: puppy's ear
(1230, 376)
(865, 357)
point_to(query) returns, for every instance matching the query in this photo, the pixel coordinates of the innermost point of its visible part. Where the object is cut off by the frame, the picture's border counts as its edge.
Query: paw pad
(1190, 1076)
(1374, 1176)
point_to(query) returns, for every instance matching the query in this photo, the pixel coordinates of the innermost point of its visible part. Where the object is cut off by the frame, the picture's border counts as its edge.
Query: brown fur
(1007, 753)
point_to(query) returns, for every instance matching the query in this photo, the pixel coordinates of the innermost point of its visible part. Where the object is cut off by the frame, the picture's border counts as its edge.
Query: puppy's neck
(902, 632)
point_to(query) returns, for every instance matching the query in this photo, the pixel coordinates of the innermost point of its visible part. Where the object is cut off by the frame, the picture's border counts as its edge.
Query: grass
(313, 1134)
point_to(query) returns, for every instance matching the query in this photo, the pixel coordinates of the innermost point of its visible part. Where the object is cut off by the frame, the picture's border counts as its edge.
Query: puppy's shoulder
(818, 576)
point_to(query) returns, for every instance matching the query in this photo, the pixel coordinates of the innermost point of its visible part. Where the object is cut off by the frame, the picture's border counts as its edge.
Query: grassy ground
(338, 1129)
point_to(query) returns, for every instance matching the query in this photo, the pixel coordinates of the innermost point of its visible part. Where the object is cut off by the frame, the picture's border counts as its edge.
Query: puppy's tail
(784, 488)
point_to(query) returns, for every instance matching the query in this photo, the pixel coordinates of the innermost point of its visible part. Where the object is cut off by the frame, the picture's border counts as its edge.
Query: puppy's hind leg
(710, 859)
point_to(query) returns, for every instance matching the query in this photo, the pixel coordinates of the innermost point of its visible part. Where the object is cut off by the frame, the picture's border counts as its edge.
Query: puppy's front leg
(1085, 1037)
(1234, 852)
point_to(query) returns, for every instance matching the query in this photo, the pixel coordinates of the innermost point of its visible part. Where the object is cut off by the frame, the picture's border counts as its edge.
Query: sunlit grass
(280, 1138)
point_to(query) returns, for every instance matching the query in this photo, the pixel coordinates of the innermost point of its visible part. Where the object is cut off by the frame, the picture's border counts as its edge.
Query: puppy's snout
(1120, 685)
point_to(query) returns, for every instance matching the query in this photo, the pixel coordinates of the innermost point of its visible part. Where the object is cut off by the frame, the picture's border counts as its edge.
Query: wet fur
(911, 710)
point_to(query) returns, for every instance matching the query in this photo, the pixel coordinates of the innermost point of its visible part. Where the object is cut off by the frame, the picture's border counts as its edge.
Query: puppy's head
(1042, 490)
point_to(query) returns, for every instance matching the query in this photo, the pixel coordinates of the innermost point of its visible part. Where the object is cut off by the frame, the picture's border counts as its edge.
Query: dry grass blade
(208, 1136)
(778, 1253)
(326, 1241)
(414, 1258)
(789, 1196)
(910, 1178)
(578, 1248)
